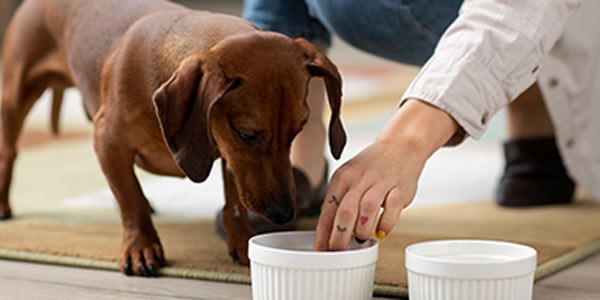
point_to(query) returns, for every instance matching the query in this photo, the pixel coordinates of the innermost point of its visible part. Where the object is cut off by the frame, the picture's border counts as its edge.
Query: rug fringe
(566, 260)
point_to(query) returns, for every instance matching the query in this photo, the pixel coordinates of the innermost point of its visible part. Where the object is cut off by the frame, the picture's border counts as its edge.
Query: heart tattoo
(363, 220)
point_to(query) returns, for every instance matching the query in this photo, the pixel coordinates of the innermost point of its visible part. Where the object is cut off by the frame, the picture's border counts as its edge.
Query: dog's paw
(239, 255)
(142, 260)
(5, 212)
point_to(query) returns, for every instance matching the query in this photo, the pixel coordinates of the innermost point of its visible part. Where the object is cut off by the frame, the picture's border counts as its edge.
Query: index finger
(332, 201)
(325, 223)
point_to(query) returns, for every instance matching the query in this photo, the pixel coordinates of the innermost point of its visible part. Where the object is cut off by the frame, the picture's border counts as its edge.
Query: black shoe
(534, 174)
(308, 204)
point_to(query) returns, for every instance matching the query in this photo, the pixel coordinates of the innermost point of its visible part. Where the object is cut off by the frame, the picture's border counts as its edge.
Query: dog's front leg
(235, 220)
(142, 252)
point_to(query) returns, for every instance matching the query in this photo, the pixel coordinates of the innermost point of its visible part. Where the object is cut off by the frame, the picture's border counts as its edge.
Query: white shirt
(496, 49)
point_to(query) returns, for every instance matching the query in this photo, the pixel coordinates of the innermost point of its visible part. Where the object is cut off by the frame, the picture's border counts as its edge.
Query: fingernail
(381, 234)
(360, 241)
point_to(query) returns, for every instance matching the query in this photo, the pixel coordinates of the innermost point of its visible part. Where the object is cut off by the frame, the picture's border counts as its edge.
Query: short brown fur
(169, 89)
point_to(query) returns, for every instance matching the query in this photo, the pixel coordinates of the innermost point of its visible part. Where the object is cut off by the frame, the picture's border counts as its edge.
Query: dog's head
(245, 100)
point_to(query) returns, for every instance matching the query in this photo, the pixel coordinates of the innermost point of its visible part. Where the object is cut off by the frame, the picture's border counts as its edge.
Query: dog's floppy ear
(183, 105)
(320, 66)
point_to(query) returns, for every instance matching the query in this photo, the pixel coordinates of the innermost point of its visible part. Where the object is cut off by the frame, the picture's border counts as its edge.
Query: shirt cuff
(457, 83)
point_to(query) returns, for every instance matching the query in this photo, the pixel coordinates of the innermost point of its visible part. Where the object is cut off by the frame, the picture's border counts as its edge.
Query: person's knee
(291, 18)
(388, 29)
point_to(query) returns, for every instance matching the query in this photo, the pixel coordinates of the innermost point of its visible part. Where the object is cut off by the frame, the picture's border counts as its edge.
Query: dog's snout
(282, 213)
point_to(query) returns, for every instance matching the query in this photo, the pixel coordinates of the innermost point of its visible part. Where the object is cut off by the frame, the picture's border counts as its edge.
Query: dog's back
(65, 42)
(61, 43)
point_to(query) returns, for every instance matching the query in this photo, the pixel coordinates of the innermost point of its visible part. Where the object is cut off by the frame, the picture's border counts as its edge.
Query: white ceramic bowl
(284, 267)
(470, 270)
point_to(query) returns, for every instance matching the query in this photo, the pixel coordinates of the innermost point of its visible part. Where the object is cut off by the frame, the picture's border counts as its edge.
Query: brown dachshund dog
(170, 90)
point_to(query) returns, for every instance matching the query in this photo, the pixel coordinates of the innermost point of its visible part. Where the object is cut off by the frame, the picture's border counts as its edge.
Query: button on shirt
(496, 49)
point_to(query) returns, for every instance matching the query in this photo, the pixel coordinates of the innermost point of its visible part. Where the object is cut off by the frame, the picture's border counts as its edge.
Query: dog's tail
(57, 99)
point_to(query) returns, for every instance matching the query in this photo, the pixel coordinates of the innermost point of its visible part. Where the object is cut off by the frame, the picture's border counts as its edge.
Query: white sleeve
(488, 56)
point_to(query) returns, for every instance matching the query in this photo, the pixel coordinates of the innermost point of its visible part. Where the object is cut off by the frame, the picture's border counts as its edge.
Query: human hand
(383, 175)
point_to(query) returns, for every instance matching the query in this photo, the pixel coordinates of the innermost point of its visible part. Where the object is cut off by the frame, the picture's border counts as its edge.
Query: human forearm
(419, 126)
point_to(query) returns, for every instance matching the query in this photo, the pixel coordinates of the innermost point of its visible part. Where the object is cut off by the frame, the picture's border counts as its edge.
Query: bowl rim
(298, 259)
(522, 262)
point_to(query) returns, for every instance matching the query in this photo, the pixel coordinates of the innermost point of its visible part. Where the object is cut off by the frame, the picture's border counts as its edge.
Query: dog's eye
(248, 138)
(235, 84)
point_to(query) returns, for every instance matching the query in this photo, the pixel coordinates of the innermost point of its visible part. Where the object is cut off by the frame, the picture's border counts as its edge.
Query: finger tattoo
(334, 200)
(363, 220)
(340, 229)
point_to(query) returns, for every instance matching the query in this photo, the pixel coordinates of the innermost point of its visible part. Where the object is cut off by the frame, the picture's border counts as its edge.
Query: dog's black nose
(281, 214)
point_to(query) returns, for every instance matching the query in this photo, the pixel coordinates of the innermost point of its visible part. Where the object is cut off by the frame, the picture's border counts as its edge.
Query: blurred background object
(6, 9)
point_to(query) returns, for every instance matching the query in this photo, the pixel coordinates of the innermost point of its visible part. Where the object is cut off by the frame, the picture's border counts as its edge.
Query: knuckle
(395, 202)
(337, 179)
(369, 206)
(343, 173)
(395, 205)
(345, 213)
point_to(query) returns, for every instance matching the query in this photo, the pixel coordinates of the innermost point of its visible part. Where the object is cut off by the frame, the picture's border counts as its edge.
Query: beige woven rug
(562, 235)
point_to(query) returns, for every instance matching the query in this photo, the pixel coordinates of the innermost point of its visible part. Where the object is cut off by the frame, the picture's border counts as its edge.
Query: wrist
(420, 126)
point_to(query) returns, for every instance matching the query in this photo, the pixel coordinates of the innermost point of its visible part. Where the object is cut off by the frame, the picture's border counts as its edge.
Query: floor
(468, 173)
(32, 281)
